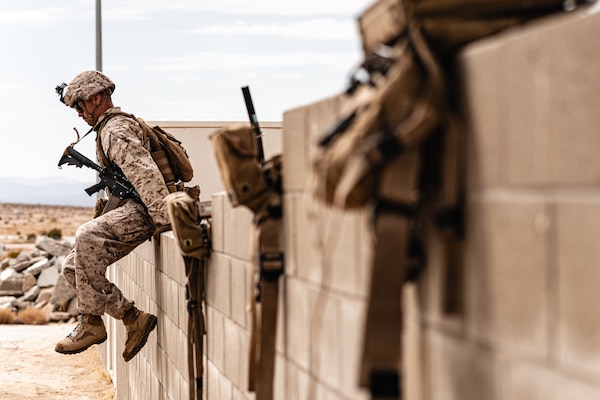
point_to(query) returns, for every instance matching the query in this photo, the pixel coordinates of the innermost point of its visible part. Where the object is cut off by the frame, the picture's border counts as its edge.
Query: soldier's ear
(96, 99)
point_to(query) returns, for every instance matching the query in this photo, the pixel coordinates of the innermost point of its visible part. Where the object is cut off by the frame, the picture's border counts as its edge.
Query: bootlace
(77, 329)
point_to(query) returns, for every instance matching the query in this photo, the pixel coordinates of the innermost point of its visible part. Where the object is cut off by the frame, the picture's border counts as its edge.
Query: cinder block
(225, 388)
(485, 110)
(350, 336)
(297, 324)
(216, 339)
(506, 271)
(290, 235)
(324, 347)
(212, 383)
(241, 275)
(562, 110)
(460, 370)
(238, 231)
(541, 132)
(322, 116)
(217, 220)
(294, 149)
(533, 381)
(233, 353)
(218, 279)
(365, 254)
(579, 279)
(342, 237)
(173, 304)
(280, 384)
(309, 254)
(241, 394)
(415, 380)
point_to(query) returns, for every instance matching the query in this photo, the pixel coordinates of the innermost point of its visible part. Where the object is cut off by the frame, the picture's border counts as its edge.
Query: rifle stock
(73, 157)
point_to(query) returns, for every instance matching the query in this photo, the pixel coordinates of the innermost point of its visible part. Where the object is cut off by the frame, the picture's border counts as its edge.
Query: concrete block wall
(529, 329)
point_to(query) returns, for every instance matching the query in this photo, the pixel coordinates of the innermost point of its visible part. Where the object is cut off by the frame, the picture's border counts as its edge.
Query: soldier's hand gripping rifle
(111, 178)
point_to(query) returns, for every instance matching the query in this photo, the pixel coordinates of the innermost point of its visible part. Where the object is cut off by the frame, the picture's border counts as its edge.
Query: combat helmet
(85, 85)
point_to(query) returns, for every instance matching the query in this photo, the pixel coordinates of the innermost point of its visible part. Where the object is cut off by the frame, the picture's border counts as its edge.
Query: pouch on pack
(242, 174)
(192, 234)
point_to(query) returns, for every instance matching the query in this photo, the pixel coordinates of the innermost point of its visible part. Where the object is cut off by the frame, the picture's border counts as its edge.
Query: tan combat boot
(138, 324)
(89, 331)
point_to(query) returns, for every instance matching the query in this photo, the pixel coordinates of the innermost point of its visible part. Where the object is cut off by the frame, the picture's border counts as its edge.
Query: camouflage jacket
(121, 140)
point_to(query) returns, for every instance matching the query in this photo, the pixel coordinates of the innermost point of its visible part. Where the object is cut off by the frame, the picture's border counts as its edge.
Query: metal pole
(99, 35)
(100, 194)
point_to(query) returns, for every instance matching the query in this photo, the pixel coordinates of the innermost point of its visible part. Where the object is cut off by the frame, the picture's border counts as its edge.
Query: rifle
(254, 123)
(113, 178)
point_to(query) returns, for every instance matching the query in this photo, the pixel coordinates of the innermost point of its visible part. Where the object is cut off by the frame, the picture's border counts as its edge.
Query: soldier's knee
(85, 230)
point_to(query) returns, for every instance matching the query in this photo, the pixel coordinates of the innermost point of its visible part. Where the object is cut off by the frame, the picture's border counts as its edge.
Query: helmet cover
(87, 84)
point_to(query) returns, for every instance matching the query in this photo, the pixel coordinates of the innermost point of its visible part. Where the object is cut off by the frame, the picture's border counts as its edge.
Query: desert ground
(20, 224)
(26, 219)
(30, 368)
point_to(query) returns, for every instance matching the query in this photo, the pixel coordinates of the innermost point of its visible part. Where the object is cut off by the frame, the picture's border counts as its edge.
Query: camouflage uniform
(111, 236)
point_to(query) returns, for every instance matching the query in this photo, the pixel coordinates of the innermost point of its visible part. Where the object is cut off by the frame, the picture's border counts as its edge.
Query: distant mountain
(46, 191)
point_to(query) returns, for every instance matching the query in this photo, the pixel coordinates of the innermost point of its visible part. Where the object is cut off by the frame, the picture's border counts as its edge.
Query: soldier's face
(83, 108)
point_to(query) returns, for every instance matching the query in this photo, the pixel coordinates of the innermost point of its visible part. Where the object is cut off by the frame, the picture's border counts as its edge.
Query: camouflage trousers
(98, 244)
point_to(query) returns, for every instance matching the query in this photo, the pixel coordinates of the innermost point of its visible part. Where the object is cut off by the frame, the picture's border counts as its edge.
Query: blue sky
(176, 60)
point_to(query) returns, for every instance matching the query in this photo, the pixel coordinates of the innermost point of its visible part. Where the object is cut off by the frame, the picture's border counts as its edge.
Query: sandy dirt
(29, 366)
(31, 369)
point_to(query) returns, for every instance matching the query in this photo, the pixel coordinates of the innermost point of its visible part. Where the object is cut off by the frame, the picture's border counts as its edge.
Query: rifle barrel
(254, 122)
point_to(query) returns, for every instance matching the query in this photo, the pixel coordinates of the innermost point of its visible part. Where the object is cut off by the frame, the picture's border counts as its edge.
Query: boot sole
(152, 322)
(76, 351)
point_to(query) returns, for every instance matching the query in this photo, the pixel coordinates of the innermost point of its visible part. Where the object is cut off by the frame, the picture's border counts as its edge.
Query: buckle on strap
(271, 266)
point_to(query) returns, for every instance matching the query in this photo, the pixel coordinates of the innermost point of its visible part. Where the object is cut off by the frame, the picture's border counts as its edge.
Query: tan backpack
(167, 152)
(241, 172)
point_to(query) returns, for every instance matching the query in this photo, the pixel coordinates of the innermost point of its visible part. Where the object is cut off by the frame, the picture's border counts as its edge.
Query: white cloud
(138, 9)
(9, 86)
(319, 29)
(45, 15)
(238, 60)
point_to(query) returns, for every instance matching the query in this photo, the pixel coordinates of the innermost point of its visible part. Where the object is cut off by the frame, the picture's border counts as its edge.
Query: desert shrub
(32, 316)
(6, 317)
(55, 233)
(13, 254)
(31, 237)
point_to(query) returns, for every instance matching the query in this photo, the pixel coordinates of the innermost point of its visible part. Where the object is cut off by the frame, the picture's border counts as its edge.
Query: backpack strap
(393, 263)
(102, 157)
(265, 299)
(195, 270)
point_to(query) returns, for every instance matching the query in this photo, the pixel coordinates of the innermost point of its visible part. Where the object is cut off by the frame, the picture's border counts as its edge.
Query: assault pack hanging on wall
(256, 184)
(191, 228)
(398, 148)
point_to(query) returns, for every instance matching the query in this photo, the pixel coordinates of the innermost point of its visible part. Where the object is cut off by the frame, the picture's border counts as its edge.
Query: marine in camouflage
(112, 235)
